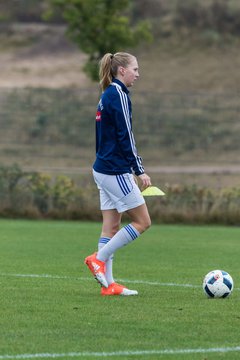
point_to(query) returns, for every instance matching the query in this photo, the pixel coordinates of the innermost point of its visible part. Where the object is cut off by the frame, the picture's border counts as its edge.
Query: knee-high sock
(123, 237)
(109, 263)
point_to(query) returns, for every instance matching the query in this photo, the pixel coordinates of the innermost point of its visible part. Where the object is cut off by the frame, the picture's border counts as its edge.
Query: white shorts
(118, 192)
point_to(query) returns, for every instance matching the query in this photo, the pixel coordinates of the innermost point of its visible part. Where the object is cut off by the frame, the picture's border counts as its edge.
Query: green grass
(64, 312)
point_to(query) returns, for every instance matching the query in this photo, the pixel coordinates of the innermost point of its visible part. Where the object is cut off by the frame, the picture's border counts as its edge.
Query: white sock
(109, 263)
(123, 237)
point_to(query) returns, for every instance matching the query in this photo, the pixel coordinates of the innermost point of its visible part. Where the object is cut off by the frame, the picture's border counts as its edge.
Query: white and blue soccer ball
(218, 284)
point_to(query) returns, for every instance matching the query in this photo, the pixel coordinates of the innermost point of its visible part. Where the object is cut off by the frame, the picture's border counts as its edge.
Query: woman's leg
(111, 225)
(140, 218)
(111, 222)
(140, 221)
(121, 193)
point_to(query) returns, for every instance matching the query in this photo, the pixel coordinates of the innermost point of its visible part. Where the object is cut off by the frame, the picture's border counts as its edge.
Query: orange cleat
(117, 289)
(97, 268)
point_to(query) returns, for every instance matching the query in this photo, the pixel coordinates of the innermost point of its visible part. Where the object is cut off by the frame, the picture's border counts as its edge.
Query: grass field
(51, 306)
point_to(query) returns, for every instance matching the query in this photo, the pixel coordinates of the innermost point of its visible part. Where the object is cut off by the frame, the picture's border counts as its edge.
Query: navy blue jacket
(116, 151)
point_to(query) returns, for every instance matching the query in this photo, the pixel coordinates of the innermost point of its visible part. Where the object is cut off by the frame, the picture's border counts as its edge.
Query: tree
(101, 26)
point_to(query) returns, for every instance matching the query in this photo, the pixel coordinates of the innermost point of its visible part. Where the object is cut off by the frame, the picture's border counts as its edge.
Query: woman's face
(130, 73)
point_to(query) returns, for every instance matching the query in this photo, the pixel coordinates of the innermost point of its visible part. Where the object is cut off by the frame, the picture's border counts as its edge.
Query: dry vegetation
(41, 56)
(38, 55)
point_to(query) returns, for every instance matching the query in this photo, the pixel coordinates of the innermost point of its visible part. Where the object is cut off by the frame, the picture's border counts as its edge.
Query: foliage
(100, 26)
(9, 177)
(63, 192)
(41, 195)
(218, 16)
(211, 19)
(26, 11)
(40, 185)
(194, 204)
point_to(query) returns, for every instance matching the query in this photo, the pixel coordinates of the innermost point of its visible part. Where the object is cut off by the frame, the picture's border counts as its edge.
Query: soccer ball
(218, 284)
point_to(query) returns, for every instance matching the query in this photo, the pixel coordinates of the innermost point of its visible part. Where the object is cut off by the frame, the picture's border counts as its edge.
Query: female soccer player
(116, 163)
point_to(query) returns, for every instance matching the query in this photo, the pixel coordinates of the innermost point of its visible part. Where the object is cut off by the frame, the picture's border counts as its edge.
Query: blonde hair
(109, 65)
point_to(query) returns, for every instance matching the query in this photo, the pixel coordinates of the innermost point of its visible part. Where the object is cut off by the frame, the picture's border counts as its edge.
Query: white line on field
(153, 283)
(63, 277)
(122, 353)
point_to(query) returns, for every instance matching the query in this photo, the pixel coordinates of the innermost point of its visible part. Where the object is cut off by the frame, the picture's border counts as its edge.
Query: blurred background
(186, 105)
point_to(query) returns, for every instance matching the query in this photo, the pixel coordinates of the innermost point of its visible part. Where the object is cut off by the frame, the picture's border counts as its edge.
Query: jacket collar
(117, 82)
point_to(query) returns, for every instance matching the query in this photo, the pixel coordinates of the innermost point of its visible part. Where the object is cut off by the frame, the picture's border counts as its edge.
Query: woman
(116, 164)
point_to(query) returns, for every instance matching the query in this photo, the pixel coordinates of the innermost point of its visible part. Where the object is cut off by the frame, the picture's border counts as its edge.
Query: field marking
(63, 277)
(122, 353)
(152, 283)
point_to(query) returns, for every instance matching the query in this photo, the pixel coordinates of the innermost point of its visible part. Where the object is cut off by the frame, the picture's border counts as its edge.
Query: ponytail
(105, 73)
(109, 65)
